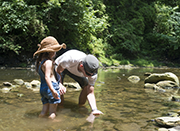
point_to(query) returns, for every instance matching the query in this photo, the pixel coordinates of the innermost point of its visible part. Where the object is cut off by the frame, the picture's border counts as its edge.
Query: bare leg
(45, 110)
(52, 110)
(83, 96)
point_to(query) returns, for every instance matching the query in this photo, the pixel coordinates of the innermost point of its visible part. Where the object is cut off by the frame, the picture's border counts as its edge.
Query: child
(49, 88)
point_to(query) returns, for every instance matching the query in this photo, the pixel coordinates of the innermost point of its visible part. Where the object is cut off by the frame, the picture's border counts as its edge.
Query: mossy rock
(155, 78)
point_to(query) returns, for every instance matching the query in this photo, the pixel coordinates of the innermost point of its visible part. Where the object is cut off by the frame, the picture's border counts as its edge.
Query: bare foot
(52, 116)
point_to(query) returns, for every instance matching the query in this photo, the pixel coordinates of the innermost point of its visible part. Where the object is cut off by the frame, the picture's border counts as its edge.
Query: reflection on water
(126, 106)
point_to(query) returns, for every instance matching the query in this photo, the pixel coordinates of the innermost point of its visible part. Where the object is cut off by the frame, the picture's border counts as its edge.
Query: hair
(39, 59)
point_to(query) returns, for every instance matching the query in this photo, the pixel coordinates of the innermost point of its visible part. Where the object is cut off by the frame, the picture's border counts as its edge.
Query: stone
(163, 129)
(28, 85)
(20, 95)
(7, 84)
(19, 81)
(177, 128)
(168, 121)
(155, 78)
(5, 90)
(134, 79)
(73, 85)
(175, 98)
(167, 84)
(35, 83)
(149, 86)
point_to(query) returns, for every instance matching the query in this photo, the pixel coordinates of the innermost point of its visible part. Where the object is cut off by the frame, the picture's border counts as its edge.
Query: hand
(96, 112)
(55, 94)
(62, 89)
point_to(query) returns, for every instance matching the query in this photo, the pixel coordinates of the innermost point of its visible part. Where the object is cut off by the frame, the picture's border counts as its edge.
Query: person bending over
(83, 69)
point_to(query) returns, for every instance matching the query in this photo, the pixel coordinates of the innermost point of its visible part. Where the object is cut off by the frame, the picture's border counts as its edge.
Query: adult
(83, 69)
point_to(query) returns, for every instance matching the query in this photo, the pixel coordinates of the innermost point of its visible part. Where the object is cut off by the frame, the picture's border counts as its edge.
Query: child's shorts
(47, 96)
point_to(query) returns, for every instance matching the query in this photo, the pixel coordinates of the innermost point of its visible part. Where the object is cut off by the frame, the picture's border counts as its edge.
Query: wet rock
(20, 95)
(73, 85)
(28, 85)
(167, 84)
(173, 114)
(147, 74)
(177, 128)
(149, 86)
(154, 87)
(176, 98)
(5, 90)
(35, 83)
(168, 121)
(7, 84)
(159, 89)
(134, 79)
(155, 78)
(19, 81)
(163, 129)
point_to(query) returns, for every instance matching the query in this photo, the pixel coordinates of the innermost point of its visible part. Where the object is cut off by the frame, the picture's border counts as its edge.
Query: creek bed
(126, 106)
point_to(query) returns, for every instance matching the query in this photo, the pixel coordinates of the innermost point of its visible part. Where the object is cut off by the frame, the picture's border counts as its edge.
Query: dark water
(126, 106)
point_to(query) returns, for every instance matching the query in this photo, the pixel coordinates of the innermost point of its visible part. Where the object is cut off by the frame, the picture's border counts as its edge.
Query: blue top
(42, 75)
(46, 94)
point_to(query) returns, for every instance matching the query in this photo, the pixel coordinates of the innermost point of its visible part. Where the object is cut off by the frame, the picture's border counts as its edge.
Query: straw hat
(49, 44)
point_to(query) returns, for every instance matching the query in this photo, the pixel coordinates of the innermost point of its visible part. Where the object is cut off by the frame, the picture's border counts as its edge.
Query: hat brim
(53, 48)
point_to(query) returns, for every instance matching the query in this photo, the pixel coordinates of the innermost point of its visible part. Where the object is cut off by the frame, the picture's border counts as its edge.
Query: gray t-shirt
(70, 61)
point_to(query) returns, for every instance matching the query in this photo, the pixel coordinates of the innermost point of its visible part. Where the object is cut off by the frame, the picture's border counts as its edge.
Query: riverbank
(27, 62)
(130, 66)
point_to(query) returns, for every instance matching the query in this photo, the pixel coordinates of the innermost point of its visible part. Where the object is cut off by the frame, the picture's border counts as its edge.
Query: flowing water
(126, 106)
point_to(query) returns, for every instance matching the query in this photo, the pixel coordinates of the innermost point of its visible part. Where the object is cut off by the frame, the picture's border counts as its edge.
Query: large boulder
(165, 85)
(168, 121)
(155, 78)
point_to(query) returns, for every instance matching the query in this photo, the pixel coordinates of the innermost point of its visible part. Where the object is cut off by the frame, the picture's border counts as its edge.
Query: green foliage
(18, 26)
(75, 22)
(127, 25)
(112, 30)
(165, 36)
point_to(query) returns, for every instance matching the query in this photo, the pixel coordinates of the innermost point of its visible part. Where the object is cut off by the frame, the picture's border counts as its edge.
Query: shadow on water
(126, 106)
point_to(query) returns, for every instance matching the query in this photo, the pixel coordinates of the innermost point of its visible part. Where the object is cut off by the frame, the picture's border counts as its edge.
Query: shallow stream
(126, 106)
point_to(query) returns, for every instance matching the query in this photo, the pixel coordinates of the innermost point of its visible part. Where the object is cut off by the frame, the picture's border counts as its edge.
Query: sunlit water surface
(126, 106)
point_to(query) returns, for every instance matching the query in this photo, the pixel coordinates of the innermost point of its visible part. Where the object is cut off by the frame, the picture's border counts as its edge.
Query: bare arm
(48, 72)
(60, 69)
(62, 88)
